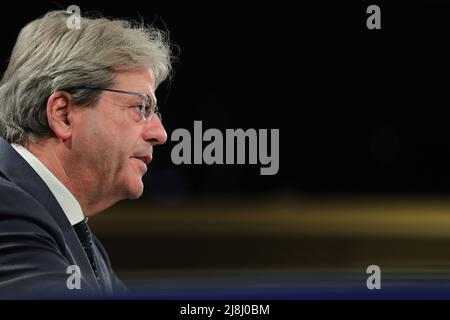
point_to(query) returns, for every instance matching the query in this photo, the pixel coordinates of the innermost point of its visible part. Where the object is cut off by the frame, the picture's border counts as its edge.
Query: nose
(154, 132)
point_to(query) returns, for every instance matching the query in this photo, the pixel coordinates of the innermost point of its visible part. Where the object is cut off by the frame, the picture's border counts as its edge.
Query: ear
(59, 114)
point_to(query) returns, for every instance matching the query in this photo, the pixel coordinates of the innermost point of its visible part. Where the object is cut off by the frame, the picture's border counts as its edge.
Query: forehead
(141, 80)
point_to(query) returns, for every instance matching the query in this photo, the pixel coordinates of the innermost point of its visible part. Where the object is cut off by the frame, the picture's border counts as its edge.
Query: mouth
(146, 159)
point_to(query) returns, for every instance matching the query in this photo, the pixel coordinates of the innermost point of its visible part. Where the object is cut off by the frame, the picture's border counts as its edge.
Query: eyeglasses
(146, 108)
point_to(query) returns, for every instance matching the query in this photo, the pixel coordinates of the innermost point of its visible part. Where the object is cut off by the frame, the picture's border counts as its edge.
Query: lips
(144, 158)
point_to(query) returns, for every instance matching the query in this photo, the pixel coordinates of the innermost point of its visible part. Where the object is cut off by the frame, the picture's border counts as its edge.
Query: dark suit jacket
(37, 241)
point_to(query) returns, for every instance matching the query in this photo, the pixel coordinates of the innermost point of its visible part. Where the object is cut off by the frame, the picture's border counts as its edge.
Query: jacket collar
(19, 172)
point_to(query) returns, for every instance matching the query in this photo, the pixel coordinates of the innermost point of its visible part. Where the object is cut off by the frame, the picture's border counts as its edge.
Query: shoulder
(21, 214)
(33, 262)
(15, 203)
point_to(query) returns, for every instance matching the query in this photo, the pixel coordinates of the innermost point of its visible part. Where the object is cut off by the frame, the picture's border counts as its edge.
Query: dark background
(362, 114)
(358, 110)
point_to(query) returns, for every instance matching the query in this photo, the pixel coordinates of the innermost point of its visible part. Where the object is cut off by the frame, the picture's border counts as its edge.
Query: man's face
(112, 143)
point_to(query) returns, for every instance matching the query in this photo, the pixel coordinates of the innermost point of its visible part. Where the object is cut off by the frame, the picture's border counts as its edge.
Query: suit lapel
(18, 171)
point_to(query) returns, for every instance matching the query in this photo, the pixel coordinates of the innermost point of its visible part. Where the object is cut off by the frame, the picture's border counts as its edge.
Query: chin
(135, 190)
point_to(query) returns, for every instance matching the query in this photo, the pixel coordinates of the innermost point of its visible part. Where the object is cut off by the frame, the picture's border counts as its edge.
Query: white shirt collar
(65, 198)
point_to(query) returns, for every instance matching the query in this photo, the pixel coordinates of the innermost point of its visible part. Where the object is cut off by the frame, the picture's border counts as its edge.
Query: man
(78, 123)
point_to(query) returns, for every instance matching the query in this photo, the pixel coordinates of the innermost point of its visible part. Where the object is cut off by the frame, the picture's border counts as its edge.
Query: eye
(158, 114)
(148, 111)
(139, 108)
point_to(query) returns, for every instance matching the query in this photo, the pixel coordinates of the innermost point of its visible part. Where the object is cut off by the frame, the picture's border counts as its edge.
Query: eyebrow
(154, 101)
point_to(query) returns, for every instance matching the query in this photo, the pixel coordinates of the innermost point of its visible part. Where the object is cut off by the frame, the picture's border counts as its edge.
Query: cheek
(94, 147)
(83, 141)
(117, 152)
(86, 130)
(107, 145)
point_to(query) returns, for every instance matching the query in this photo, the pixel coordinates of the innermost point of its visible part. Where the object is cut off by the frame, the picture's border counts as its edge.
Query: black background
(359, 110)
(361, 113)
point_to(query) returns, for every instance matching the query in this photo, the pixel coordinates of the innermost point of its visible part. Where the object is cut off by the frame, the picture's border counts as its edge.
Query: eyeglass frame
(142, 108)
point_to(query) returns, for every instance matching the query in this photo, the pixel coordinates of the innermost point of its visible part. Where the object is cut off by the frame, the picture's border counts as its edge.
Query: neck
(54, 154)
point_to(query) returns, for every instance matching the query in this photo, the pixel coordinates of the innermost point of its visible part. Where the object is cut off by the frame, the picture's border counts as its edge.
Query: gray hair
(48, 56)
